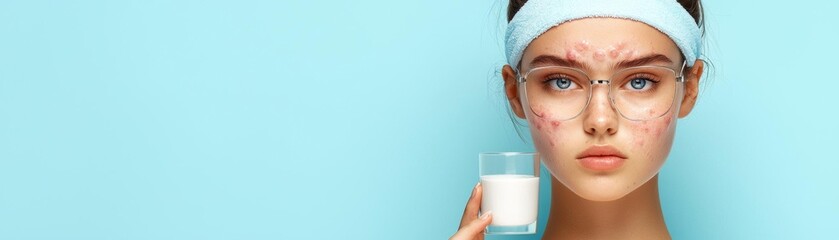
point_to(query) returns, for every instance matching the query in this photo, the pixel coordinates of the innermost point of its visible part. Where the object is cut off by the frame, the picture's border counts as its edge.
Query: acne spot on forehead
(630, 53)
(582, 46)
(616, 50)
(584, 49)
(571, 55)
(600, 55)
(614, 53)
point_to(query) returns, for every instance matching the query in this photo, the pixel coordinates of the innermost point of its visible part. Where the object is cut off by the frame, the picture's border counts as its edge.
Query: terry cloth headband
(537, 16)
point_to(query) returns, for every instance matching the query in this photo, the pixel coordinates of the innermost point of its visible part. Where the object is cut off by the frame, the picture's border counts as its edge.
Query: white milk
(513, 199)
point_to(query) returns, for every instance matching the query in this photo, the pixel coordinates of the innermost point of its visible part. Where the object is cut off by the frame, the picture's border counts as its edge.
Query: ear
(691, 88)
(511, 88)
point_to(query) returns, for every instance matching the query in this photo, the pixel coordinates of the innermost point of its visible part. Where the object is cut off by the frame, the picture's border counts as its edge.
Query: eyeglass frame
(521, 79)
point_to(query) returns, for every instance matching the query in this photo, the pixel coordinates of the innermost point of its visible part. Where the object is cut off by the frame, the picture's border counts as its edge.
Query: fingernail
(475, 189)
(486, 215)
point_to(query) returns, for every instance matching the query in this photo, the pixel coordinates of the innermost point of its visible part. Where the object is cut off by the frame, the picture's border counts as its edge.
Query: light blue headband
(537, 16)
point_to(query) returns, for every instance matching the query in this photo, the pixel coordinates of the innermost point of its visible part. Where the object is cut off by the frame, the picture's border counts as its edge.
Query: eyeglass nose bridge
(595, 82)
(600, 81)
(607, 83)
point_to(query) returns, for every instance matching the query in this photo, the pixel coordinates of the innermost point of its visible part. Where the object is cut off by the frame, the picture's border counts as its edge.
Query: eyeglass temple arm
(681, 77)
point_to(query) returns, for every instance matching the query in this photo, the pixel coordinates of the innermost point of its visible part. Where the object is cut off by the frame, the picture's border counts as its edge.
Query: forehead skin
(601, 42)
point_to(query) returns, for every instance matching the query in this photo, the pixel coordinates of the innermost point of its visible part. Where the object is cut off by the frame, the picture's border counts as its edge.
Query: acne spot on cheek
(540, 118)
(539, 111)
(544, 115)
(645, 130)
(660, 130)
(639, 142)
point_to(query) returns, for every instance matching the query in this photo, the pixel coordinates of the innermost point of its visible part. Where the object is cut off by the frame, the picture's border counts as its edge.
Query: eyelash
(556, 76)
(645, 76)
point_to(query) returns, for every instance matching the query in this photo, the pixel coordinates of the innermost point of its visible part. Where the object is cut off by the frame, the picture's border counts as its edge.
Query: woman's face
(601, 43)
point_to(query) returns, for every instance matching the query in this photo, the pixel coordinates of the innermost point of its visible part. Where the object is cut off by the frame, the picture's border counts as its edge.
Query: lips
(601, 158)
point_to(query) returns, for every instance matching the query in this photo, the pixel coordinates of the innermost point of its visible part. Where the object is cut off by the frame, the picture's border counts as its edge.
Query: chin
(599, 187)
(600, 190)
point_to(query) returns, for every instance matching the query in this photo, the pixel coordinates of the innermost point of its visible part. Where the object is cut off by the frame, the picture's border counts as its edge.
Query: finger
(473, 205)
(474, 229)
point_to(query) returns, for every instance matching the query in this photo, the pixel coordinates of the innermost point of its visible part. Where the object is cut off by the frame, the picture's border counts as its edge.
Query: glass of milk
(510, 182)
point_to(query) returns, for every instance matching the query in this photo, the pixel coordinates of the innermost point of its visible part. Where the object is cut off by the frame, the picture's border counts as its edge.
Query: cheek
(652, 131)
(547, 127)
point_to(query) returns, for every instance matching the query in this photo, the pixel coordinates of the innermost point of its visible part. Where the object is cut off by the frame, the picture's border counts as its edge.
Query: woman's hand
(472, 226)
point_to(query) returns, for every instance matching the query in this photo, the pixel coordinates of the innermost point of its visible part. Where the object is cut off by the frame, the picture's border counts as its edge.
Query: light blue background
(363, 120)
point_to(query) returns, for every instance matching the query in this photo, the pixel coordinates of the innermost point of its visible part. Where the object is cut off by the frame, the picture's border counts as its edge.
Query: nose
(600, 116)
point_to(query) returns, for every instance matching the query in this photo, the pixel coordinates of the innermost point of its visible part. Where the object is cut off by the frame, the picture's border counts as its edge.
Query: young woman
(601, 85)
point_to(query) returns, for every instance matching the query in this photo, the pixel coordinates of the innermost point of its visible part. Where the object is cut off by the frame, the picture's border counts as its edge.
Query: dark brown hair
(694, 7)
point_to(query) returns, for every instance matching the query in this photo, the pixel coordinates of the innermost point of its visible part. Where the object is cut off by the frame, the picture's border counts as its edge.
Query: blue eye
(640, 83)
(561, 83)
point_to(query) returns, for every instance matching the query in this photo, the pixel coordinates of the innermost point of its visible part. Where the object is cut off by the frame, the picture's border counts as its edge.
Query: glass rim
(679, 82)
(507, 153)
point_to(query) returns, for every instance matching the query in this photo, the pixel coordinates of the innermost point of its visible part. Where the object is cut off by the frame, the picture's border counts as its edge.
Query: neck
(635, 216)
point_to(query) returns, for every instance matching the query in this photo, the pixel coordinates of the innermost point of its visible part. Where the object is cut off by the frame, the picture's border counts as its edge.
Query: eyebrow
(551, 60)
(651, 58)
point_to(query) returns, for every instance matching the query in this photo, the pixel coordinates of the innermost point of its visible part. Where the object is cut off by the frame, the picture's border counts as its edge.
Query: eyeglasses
(637, 93)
